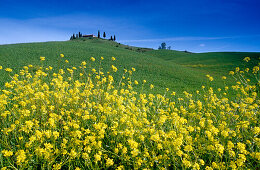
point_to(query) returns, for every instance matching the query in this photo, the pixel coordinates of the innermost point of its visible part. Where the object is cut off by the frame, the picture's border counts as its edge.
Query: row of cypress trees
(75, 36)
(79, 35)
(104, 36)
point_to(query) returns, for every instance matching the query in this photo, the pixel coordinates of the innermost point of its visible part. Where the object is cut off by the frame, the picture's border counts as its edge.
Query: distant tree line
(164, 47)
(80, 35)
(104, 36)
(75, 36)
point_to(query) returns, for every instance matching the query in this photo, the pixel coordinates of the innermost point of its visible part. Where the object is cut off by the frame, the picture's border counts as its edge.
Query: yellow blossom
(8, 70)
(114, 68)
(7, 153)
(231, 72)
(92, 59)
(20, 156)
(246, 59)
(42, 58)
(109, 162)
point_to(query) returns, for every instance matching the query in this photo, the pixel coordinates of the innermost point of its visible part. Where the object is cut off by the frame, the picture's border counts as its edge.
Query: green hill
(176, 70)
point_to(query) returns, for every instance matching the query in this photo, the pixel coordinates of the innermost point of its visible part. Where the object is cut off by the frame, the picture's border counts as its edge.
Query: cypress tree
(114, 38)
(98, 34)
(104, 34)
(77, 35)
(111, 38)
(73, 36)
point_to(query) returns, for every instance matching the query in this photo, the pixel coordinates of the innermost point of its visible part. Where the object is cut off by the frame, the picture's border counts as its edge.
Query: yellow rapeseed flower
(114, 68)
(8, 70)
(246, 59)
(231, 73)
(7, 153)
(92, 59)
(20, 156)
(42, 58)
(109, 162)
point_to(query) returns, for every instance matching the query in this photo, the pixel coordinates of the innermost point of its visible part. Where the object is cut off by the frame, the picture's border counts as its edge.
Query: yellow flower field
(52, 120)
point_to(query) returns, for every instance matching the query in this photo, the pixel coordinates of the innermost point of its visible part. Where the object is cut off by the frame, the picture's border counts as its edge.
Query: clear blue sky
(193, 25)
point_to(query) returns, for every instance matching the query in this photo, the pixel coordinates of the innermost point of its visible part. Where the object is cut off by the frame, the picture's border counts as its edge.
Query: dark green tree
(114, 38)
(162, 46)
(111, 38)
(77, 35)
(73, 36)
(104, 34)
(98, 34)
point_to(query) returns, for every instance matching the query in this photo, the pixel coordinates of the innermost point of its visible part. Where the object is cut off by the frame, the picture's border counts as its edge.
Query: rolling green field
(176, 70)
(96, 115)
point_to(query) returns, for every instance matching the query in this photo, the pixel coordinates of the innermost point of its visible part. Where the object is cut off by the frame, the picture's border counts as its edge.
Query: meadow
(101, 105)
(176, 70)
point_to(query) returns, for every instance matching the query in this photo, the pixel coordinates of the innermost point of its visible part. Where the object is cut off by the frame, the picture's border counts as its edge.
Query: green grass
(212, 62)
(176, 70)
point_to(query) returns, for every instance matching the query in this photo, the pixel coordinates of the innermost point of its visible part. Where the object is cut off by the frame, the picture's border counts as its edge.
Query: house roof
(90, 35)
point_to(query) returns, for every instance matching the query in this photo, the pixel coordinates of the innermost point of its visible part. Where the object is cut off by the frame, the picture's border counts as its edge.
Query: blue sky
(193, 25)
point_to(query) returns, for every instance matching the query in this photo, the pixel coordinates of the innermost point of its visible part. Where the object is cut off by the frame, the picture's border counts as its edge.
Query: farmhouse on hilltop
(90, 35)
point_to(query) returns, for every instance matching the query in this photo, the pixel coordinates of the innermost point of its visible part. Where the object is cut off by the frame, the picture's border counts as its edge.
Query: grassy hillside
(52, 120)
(176, 70)
(214, 62)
